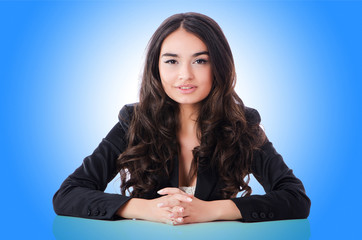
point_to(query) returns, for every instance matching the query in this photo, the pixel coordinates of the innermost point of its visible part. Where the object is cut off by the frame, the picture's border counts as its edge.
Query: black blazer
(82, 193)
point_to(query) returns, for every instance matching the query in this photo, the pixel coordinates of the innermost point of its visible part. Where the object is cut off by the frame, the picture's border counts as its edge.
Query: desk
(79, 228)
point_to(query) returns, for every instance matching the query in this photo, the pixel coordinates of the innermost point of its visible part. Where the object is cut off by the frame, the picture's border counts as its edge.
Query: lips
(187, 88)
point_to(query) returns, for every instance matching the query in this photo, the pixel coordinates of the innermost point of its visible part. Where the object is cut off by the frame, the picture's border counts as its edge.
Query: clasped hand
(177, 207)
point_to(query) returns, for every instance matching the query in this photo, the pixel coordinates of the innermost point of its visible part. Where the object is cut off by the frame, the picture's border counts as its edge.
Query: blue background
(67, 67)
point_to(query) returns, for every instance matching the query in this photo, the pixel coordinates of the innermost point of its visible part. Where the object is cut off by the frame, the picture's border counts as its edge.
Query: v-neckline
(205, 182)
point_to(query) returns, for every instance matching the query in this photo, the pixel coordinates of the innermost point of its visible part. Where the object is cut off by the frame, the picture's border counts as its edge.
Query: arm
(82, 193)
(285, 196)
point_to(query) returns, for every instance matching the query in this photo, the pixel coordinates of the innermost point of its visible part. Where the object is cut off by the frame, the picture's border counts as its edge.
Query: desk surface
(79, 228)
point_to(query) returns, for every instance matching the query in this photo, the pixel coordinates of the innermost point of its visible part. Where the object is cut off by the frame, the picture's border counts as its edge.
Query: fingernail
(179, 219)
(170, 222)
(160, 191)
(189, 199)
(160, 204)
(181, 209)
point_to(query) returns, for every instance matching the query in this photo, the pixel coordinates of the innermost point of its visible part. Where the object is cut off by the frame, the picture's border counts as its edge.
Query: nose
(185, 72)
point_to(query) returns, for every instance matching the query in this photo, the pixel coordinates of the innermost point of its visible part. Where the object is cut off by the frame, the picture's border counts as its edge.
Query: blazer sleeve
(82, 193)
(285, 196)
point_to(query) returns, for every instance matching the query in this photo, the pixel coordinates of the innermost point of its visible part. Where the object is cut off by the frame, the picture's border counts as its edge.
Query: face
(184, 67)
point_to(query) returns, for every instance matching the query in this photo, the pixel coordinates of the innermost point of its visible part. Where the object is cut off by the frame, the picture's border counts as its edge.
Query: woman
(188, 147)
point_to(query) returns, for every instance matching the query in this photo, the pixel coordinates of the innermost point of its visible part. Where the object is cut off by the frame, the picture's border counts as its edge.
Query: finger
(177, 211)
(166, 218)
(171, 202)
(170, 221)
(182, 197)
(170, 190)
(175, 221)
(174, 200)
(187, 220)
(167, 209)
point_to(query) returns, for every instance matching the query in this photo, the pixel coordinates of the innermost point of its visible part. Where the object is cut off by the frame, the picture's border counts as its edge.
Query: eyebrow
(175, 55)
(200, 53)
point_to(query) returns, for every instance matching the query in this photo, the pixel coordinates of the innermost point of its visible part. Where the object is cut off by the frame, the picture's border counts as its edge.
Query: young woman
(187, 148)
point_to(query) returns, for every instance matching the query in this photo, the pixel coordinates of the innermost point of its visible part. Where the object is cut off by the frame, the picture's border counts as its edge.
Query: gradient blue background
(67, 67)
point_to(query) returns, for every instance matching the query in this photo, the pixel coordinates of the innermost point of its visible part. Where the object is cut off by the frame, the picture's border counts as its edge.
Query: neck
(188, 116)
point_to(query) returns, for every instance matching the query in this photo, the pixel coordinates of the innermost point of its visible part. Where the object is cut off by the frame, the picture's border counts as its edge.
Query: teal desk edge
(80, 228)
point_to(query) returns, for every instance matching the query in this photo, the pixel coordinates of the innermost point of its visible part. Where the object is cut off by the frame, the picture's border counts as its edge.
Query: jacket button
(104, 212)
(262, 215)
(96, 212)
(89, 212)
(271, 215)
(254, 215)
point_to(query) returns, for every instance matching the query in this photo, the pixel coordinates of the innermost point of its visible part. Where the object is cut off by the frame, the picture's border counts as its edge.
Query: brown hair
(227, 138)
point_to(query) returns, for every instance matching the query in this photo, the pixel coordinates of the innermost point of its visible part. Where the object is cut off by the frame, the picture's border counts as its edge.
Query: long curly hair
(227, 138)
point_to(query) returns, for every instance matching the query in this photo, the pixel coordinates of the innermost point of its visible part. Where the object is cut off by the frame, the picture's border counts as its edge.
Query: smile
(184, 89)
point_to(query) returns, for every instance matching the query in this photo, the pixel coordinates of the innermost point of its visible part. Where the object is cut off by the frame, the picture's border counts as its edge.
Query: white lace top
(188, 190)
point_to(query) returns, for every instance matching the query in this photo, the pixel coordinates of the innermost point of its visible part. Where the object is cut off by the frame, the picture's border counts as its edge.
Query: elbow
(298, 205)
(305, 209)
(57, 202)
(302, 207)
(61, 203)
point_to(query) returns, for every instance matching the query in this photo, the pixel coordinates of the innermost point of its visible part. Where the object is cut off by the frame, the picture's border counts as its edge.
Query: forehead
(181, 41)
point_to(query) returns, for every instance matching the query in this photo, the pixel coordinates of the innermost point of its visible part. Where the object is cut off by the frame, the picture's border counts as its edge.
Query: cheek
(166, 75)
(167, 83)
(207, 77)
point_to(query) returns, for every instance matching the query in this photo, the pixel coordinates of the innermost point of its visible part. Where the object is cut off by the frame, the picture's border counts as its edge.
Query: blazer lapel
(206, 181)
(174, 173)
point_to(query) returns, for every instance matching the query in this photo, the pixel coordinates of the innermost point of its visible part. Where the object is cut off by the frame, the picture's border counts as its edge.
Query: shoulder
(255, 130)
(252, 116)
(125, 115)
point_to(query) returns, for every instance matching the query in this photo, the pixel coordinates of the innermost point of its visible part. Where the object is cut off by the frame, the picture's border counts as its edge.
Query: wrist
(131, 208)
(226, 210)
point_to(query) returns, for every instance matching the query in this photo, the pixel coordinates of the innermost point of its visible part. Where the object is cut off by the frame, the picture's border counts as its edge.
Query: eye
(201, 61)
(171, 61)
